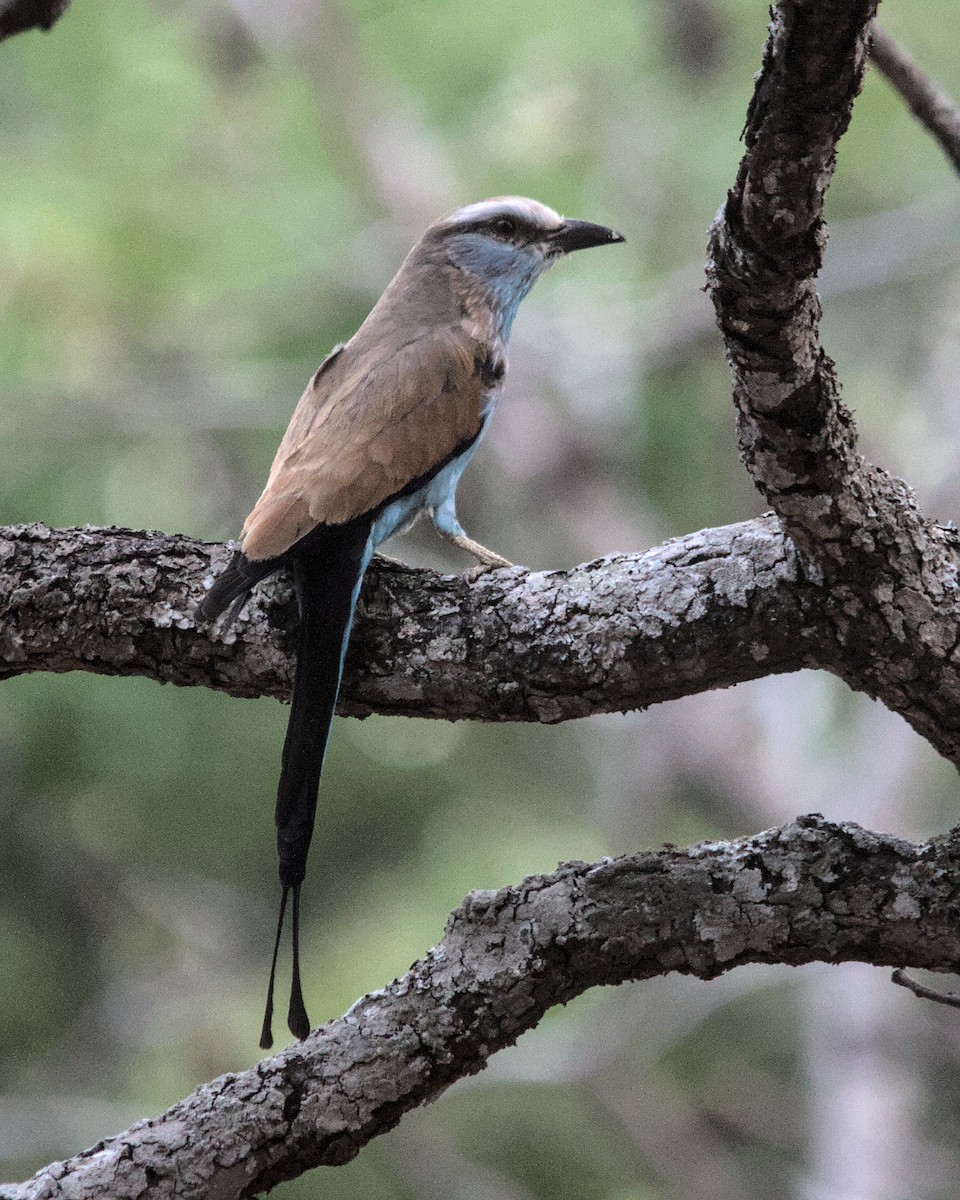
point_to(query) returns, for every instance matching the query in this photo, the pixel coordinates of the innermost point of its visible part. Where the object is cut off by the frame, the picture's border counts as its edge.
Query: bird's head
(506, 243)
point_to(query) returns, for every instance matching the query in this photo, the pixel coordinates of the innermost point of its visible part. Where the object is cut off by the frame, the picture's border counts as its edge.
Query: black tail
(233, 586)
(328, 569)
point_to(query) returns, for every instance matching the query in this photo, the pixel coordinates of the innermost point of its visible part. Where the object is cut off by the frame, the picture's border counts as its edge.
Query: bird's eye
(505, 226)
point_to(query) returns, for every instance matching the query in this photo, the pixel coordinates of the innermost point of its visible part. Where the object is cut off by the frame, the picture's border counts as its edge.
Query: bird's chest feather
(487, 329)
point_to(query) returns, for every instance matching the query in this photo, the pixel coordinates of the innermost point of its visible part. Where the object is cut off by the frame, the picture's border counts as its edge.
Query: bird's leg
(446, 524)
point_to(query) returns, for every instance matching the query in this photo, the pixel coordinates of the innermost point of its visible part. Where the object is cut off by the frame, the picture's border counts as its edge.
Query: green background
(198, 201)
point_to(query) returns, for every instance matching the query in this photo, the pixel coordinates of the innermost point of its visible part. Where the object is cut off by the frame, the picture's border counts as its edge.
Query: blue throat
(505, 300)
(501, 271)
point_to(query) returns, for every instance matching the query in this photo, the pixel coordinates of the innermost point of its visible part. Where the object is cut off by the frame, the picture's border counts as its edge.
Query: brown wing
(368, 423)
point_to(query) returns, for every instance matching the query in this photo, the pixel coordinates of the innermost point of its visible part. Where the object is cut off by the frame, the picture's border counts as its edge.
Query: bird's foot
(484, 568)
(488, 559)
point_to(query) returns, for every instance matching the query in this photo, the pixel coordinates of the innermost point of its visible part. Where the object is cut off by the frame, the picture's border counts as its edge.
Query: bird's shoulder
(378, 381)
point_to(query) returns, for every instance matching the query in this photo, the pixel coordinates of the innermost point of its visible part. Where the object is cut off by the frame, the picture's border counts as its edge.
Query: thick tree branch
(810, 892)
(872, 596)
(931, 104)
(886, 569)
(704, 611)
(18, 15)
(766, 248)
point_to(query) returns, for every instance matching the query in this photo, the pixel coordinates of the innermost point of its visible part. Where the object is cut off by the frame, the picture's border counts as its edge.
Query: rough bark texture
(18, 15)
(889, 573)
(811, 891)
(870, 592)
(699, 612)
(708, 610)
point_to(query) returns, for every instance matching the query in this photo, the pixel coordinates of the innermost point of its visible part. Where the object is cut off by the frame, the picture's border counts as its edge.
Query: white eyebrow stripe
(528, 211)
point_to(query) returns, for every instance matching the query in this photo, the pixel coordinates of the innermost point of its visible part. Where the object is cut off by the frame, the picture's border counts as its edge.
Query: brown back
(398, 398)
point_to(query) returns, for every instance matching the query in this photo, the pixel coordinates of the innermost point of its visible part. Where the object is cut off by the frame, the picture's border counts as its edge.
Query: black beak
(581, 235)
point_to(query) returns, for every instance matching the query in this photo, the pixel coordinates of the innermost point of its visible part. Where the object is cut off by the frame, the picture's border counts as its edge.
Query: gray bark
(708, 610)
(928, 102)
(889, 573)
(848, 576)
(811, 891)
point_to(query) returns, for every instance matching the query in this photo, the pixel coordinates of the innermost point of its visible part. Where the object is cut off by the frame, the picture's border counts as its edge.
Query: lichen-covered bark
(811, 891)
(889, 573)
(869, 592)
(699, 612)
(766, 248)
(708, 610)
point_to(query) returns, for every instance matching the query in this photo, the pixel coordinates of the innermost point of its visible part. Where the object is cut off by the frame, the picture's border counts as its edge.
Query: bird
(381, 435)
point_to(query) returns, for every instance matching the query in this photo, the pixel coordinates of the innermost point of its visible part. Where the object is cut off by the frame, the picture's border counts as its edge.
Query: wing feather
(368, 423)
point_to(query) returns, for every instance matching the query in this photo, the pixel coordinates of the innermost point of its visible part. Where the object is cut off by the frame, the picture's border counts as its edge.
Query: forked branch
(849, 576)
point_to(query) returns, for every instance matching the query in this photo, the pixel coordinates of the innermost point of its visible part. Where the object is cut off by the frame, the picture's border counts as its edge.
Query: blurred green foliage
(200, 200)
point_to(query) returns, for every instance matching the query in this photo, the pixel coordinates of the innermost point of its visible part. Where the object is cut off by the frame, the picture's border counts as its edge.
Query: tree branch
(931, 104)
(766, 249)
(708, 610)
(886, 569)
(705, 611)
(809, 892)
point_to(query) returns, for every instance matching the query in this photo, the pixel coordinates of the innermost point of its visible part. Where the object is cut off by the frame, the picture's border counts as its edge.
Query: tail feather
(327, 575)
(233, 586)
